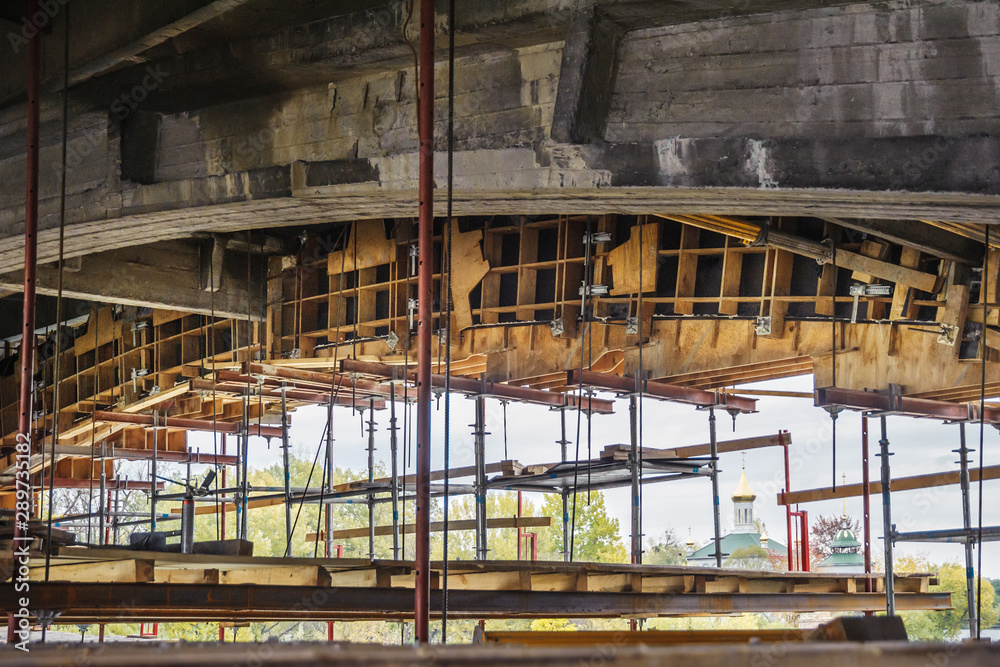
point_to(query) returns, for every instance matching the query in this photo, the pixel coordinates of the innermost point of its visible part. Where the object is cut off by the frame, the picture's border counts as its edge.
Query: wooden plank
(187, 576)
(642, 246)
(469, 268)
(739, 444)
(901, 484)
(609, 582)
(373, 249)
(491, 581)
(732, 272)
(281, 575)
(687, 270)
(438, 526)
(894, 273)
(902, 307)
(781, 284)
(954, 313)
(557, 581)
(134, 571)
(873, 249)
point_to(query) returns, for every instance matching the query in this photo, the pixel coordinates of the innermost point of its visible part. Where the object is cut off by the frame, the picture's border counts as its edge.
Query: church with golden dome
(744, 533)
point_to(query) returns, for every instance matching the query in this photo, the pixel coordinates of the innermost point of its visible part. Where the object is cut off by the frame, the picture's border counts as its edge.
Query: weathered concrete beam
(159, 275)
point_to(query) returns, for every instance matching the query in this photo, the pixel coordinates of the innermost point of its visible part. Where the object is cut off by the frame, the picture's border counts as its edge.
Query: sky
(918, 446)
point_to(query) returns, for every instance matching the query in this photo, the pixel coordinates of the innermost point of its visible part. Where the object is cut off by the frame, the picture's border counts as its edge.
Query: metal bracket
(858, 291)
(594, 290)
(557, 327)
(598, 237)
(762, 327)
(631, 325)
(414, 253)
(411, 308)
(391, 340)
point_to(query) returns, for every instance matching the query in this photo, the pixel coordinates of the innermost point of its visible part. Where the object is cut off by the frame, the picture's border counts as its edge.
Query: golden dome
(743, 492)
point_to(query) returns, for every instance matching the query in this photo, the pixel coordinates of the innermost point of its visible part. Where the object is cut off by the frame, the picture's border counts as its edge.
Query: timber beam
(481, 388)
(900, 484)
(186, 424)
(661, 390)
(193, 602)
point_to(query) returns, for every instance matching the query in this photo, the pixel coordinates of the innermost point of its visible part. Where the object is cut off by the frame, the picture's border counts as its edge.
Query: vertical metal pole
(114, 519)
(425, 275)
(890, 598)
(480, 453)
(288, 478)
(244, 482)
(23, 445)
(970, 570)
(804, 517)
(866, 497)
(788, 508)
(152, 472)
(371, 478)
(563, 442)
(714, 452)
(187, 524)
(394, 449)
(103, 507)
(222, 508)
(634, 465)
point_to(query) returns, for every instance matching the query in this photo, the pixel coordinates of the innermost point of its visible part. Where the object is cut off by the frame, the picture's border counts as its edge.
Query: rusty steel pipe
(23, 446)
(425, 273)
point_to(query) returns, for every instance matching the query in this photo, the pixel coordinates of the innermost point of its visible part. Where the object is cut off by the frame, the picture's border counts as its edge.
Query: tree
(752, 557)
(597, 540)
(824, 529)
(942, 625)
(669, 550)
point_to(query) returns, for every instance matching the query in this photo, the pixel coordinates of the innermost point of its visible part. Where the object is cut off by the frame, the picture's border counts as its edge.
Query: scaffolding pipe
(152, 473)
(394, 462)
(714, 453)
(245, 453)
(563, 442)
(887, 527)
(425, 274)
(23, 446)
(479, 435)
(866, 509)
(634, 470)
(103, 507)
(288, 479)
(970, 570)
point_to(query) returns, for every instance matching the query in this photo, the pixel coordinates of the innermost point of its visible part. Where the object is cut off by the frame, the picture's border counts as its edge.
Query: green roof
(844, 539)
(734, 541)
(842, 559)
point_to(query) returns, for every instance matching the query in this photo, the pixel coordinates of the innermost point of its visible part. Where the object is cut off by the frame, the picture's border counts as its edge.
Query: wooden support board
(901, 484)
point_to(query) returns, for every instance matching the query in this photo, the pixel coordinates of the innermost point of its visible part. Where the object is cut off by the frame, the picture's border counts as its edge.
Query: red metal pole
(788, 509)
(28, 332)
(805, 541)
(425, 272)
